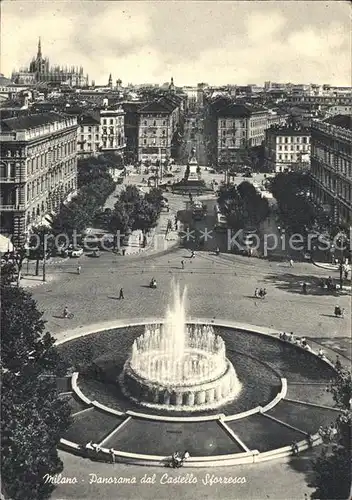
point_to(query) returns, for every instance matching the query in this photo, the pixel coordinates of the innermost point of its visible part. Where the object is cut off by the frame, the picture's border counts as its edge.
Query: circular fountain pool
(180, 367)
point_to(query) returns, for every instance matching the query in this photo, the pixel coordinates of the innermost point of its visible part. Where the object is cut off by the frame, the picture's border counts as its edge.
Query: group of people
(93, 449)
(300, 341)
(328, 284)
(152, 283)
(328, 434)
(177, 459)
(260, 293)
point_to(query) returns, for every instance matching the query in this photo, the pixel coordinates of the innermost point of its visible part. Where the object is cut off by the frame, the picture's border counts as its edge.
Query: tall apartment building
(100, 131)
(287, 148)
(112, 129)
(331, 167)
(88, 135)
(38, 169)
(232, 127)
(158, 122)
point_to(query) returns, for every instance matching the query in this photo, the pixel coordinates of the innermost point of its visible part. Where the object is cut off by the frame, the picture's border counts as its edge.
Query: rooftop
(343, 121)
(288, 131)
(30, 121)
(239, 110)
(158, 106)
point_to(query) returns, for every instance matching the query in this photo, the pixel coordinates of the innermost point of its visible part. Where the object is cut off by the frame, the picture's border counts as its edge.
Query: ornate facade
(331, 167)
(38, 169)
(40, 71)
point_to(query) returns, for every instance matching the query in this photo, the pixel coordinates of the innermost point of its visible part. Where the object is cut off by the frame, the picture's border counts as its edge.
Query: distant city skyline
(215, 42)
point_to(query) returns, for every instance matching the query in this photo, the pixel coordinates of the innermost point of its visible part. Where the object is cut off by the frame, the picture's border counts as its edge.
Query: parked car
(75, 252)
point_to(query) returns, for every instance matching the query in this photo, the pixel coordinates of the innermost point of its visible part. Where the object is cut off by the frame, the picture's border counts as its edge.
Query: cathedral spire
(39, 54)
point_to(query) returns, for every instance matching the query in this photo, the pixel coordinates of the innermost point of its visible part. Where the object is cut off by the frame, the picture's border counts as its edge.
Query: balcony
(12, 180)
(12, 208)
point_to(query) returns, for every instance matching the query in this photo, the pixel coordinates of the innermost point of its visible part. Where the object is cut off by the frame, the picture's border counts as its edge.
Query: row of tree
(291, 191)
(95, 185)
(134, 210)
(242, 205)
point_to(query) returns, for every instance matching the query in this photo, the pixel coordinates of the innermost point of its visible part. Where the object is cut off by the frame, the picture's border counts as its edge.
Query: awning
(5, 244)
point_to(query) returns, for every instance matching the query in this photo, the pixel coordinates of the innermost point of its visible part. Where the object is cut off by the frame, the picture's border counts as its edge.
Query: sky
(235, 42)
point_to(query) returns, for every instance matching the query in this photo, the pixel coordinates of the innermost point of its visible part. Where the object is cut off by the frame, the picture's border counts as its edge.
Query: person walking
(79, 269)
(121, 296)
(182, 264)
(291, 263)
(112, 455)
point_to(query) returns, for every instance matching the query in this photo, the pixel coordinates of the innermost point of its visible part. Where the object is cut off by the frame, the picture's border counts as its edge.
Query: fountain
(179, 367)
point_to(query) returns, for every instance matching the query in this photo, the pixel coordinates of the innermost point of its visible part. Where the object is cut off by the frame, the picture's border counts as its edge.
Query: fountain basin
(206, 394)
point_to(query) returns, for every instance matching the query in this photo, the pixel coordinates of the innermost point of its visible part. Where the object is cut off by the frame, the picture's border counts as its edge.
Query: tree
(333, 467)
(291, 191)
(73, 216)
(40, 240)
(33, 417)
(11, 269)
(146, 215)
(120, 219)
(155, 196)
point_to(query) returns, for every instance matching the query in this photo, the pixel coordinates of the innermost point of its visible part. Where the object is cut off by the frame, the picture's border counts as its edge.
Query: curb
(328, 267)
(248, 456)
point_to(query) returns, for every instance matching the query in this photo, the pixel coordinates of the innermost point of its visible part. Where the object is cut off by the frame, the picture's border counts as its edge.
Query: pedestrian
(112, 455)
(182, 264)
(79, 269)
(121, 296)
(291, 263)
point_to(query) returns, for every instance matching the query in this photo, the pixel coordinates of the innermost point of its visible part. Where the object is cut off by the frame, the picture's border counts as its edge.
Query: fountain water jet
(180, 367)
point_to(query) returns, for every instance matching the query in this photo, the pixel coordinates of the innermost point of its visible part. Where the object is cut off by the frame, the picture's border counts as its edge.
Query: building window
(154, 123)
(104, 121)
(145, 141)
(286, 140)
(89, 129)
(305, 140)
(145, 122)
(111, 121)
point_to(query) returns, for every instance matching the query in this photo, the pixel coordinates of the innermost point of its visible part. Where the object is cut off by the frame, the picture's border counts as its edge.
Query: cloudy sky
(216, 42)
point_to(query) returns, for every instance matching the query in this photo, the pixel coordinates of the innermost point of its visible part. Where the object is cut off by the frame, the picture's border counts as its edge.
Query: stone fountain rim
(110, 325)
(251, 456)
